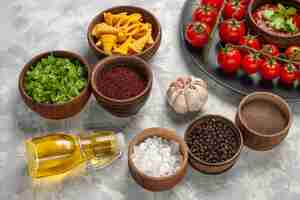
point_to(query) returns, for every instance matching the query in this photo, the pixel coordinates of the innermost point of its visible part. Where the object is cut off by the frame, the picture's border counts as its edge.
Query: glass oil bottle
(59, 153)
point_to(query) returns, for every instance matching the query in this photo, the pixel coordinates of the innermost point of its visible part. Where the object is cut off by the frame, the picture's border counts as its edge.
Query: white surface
(29, 27)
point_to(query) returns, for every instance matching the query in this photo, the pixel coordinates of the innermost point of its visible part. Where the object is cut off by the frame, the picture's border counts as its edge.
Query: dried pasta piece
(123, 48)
(133, 29)
(112, 19)
(123, 22)
(143, 29)
(134, 18)
(108, 42)
(122, 36)
(103, 28)
(150, 40)
(137, 46)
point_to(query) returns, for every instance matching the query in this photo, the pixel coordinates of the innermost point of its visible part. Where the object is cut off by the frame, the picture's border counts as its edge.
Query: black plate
(239, 83)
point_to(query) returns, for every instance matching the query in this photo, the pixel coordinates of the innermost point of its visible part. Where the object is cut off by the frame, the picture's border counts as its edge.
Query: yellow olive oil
(59, 152)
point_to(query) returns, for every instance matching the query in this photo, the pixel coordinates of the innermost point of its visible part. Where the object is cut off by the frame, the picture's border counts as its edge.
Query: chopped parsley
(55, 80)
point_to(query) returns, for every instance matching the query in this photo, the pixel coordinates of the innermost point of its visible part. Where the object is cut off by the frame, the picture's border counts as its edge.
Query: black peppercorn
(213, 140)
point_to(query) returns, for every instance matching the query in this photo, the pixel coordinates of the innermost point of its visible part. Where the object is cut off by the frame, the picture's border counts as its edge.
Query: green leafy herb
(291, 11)
(278, 23)
(268, 14)
(55, 80)
(281, 18)
(291, 27)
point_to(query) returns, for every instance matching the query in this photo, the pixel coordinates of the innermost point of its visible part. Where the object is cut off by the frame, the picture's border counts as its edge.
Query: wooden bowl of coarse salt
(157, 159)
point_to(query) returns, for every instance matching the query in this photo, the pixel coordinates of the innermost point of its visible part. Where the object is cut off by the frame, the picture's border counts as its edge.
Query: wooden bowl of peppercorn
(122, 84)
(214, 143)
(149, 51)
(56, 110)
(156, 184)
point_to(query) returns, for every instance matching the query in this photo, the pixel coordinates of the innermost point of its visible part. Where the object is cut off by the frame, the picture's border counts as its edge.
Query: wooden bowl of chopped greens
(56, 84)
(277, 22)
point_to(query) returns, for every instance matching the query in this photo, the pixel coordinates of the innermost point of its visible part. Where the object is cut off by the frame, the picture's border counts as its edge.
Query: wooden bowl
(126, 107)
(149, 52)
(214, 168)
(156, 184)
(282, 41)
(56, 111)
(260, 141)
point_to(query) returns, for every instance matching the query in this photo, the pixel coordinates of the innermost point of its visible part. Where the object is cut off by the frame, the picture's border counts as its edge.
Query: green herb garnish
(281, 18)
(55, 80)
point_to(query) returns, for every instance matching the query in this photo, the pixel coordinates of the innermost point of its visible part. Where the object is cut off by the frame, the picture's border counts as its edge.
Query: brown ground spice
(263, 117)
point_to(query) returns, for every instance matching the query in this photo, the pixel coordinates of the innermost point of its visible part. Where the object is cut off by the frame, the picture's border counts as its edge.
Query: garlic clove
(203, 94)
(173, 96)
(180, 105)
(171, 91)
(193, 99)
(200, 83)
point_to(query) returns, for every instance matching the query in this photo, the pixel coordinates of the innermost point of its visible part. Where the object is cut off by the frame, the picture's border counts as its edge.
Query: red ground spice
(121, 83)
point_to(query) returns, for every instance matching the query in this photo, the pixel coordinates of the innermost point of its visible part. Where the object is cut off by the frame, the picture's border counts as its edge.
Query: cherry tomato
(293, 53)
(197, 34)
(231, 30)
(245, 2)
(296, 20)
(215, 3)
(251, 63)
(234, 9)
(270, 69)
(250, 41)
(229, 59)
(271, 49)
(207, 14)
(288, 74)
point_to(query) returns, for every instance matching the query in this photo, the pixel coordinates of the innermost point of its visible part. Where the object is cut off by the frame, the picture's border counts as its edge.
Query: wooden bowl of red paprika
(122, 84)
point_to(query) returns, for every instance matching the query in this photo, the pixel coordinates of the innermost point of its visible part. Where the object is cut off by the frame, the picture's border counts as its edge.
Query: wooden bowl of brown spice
(214, 143)
(264, 120)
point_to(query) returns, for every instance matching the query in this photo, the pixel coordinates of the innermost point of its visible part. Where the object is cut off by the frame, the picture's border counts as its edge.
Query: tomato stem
(244, 47)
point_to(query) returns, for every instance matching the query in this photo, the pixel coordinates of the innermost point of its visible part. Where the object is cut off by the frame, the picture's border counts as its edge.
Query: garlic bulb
(187, 94)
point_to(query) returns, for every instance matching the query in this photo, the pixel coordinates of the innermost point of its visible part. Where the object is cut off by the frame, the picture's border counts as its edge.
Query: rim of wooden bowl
(61, 54)
(138, 10)
(239, 136)
(151, 132)
(102, 64)
(273, 34)
(275, 100)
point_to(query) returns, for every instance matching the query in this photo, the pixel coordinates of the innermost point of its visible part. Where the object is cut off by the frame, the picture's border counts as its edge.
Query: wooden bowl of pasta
(125, 30)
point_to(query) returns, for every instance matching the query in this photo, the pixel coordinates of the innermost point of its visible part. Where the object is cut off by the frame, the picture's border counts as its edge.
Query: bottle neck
(99, 144)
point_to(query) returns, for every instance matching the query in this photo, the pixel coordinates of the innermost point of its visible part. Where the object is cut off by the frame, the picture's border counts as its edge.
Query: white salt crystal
(157, 157)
